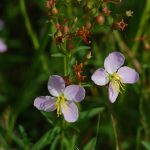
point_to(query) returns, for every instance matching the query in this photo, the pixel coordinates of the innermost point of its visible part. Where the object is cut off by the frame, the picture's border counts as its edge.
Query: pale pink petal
(70, 111)
(113, 91)
(128, 75)
(1, 24)
(113, 62)
(3, 47)
(100, 77)
(56, 85)
(74, 93)
(45, 103)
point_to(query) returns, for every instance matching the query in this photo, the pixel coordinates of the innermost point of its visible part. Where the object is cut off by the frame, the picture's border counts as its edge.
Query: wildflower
(3, 47)
(115, 75)
(120, 25)
(64, 98)
(84, 33)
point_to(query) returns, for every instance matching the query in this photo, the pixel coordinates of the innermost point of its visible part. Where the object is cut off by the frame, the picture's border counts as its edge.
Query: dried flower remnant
(50, 3)
(67, 80)
(84, 33)
(3, 46)
(115, 75)
(120, 25)
(63, 100)
(129, 13)
(105, 10)
(78, 69)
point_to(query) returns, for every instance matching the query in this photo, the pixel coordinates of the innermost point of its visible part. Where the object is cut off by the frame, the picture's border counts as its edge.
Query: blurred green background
(27, 65)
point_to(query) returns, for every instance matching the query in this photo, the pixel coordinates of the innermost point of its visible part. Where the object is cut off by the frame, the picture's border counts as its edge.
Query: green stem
(124, 48)
(65, 66)
(142, 26)
(28, 24)
(115, 132)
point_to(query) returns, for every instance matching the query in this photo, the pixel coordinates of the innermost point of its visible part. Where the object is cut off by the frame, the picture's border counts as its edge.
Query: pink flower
(115, 75)
(1, 25)
(64, 98)
(3, 47)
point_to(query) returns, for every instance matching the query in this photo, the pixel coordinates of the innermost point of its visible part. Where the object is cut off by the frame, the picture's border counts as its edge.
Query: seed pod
(65, 29)
(54, 11)
(100, 19)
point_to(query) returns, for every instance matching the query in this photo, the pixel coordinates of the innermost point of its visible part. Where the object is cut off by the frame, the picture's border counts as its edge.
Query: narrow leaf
(146, 145)
(46, 139)
(91, 113)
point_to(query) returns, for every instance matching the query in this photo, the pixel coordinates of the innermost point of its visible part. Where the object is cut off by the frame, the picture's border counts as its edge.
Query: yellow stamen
(60, 101)
(117, 82)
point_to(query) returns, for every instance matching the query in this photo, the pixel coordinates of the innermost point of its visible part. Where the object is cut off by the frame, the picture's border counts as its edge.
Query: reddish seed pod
(100, 19)
(54, 11)
(65, 29)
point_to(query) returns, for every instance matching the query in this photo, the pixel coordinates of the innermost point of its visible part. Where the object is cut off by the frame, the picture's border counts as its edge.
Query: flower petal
(45, 103)
(128, 75)
(56, 85)
(100, 77)
(70, 111)
(113, 61)
(113, 91)
(1, 24)
(3, 47)
(74, 93)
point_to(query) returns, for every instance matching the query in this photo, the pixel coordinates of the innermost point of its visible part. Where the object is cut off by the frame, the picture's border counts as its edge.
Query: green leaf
(89, 145)
(54, 144)
(146, 145)
(91, 113)
(57, 55)
(73, 143)
(46, 139)
(81, 48)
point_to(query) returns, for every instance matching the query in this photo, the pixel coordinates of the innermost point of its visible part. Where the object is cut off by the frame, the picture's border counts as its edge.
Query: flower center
(60, 101)
(117, 82)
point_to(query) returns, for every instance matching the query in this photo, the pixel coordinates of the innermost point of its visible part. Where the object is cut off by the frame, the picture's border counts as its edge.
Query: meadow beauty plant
(115, 75)
(64, 98)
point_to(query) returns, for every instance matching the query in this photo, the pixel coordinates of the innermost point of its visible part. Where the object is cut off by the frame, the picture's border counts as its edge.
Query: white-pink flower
(114, 74)
(3, 46)
(63, 100)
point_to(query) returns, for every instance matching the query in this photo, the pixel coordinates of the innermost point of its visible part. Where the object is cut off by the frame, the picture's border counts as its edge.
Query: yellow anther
(117, 82)
(60, 101)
